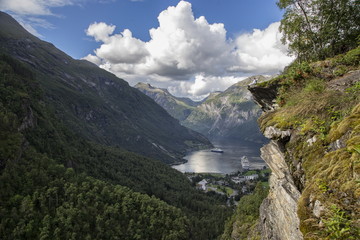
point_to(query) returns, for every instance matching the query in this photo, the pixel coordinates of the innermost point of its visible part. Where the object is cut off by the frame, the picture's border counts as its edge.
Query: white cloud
(26, 12)
(119, 48)
(100, 31)
(93, 59)
(188, 55)
(33, 7)
(261, 51)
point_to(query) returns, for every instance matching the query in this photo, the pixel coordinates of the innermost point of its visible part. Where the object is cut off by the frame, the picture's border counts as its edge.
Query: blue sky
(195, 70)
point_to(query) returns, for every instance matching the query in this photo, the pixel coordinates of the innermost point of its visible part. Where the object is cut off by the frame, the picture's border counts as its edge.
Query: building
(202, 184)
(252, 177)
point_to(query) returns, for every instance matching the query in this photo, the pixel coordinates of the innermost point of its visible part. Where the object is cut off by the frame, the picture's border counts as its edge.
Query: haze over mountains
(229, 115)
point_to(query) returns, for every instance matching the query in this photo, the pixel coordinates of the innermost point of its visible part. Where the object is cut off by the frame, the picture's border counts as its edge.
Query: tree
(316, 29)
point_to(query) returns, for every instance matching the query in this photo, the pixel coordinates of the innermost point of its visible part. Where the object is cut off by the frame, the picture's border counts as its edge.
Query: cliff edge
(312, 116)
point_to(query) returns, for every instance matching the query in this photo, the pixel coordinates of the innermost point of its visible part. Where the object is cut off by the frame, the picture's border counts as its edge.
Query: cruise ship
(218, 150)
(245, 163)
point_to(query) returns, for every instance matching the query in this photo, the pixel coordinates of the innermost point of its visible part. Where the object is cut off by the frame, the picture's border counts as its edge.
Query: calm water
(227, 162)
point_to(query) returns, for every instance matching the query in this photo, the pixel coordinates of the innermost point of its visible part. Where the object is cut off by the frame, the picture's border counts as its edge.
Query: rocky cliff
(312, 116)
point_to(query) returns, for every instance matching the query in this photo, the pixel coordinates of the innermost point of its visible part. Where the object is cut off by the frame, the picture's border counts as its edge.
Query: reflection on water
(227, 162)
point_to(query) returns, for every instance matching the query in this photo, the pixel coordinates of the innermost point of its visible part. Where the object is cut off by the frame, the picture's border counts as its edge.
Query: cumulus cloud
(100, 31)
(261, 51)
(190, 55)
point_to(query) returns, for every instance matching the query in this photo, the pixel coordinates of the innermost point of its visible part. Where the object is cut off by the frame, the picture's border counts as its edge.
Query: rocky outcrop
(278, 212)
(312, 116)
(264, 96)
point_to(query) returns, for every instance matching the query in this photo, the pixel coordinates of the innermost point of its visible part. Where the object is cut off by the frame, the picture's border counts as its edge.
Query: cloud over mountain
(191, 55)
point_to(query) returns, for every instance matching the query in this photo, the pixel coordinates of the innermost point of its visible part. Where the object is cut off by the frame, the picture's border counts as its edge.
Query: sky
(191, 47)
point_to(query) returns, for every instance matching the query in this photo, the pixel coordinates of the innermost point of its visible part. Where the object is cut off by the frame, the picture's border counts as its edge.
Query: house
(252, 177)
(202, 184)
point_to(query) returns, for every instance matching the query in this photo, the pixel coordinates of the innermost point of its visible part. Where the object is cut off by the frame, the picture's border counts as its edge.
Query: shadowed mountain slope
(95, 103)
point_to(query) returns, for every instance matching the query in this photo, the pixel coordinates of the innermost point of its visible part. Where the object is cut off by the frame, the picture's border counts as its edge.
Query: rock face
(264, 96)
(278, 212)
(314, 151)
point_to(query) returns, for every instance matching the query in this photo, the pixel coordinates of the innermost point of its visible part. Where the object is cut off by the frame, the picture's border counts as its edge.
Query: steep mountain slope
(56, 184)
(229, 114)
(95, 103)
(179, 108)
(312, 116)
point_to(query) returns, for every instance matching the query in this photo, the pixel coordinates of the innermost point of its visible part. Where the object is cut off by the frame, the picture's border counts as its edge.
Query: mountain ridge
(179, 108)
(230, 114)
(95, 103)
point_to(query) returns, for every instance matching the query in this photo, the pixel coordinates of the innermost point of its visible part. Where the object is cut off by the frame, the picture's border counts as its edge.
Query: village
(231, 186)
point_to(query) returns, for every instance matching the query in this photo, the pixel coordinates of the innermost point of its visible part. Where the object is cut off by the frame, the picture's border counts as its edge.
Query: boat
(217, 150)
(245, 163)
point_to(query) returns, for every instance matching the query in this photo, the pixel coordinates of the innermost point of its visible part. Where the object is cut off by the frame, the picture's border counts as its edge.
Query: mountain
(312, 118)
(229, 114)
(179, 108)
(57, 183)
(96, 104)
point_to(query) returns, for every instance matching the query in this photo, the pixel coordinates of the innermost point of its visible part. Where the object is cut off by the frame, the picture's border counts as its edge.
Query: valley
(103, 139)
(222, 116)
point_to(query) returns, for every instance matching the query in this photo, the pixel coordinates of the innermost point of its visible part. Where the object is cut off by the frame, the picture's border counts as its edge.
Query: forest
(54, 184)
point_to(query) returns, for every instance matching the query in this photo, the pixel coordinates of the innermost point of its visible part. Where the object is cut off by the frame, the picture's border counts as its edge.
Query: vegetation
(320, 102)
(320, 28)
(56, 184)
(243, 223)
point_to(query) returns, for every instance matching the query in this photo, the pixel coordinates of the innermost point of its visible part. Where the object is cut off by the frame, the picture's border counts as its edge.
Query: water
(227, 162)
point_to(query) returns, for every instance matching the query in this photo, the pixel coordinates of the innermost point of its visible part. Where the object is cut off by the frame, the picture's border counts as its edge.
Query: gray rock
(275, 133)
(311, 141)
(318, 208)
(278, 212)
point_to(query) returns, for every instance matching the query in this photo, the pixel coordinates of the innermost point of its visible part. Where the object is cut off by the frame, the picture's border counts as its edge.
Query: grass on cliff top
(313, 107)
(304, 96)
